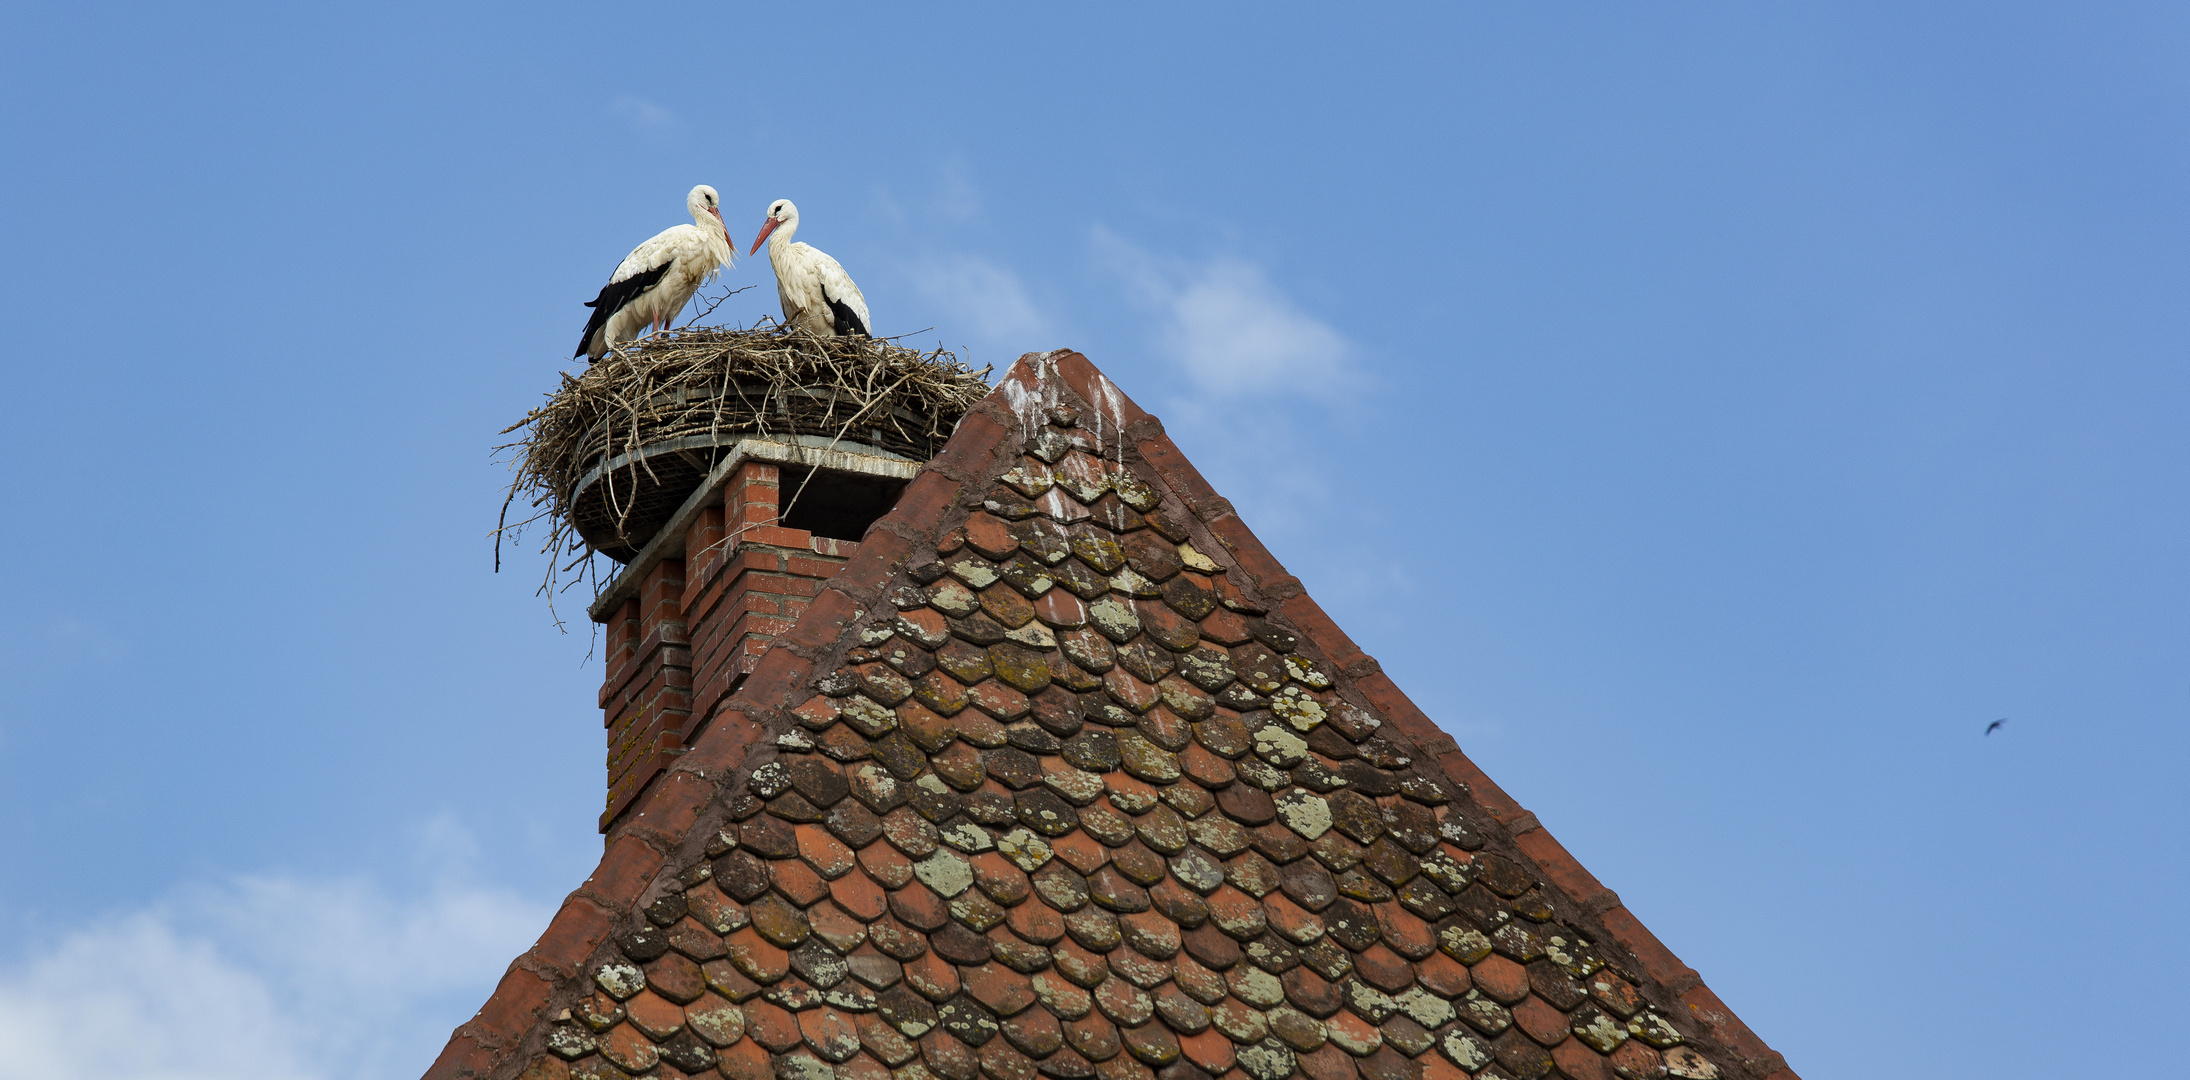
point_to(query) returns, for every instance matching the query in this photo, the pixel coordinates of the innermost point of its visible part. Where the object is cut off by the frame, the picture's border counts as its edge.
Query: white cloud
(1234, 331)
(261, 977)
(984, 299)
(642, 114)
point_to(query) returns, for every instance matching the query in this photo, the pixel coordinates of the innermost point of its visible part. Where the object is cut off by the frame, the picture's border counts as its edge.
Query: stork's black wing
(847, 320)
(615, 296)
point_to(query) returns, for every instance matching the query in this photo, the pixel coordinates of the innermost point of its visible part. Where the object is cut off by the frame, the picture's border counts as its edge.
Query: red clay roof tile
(1196, 836)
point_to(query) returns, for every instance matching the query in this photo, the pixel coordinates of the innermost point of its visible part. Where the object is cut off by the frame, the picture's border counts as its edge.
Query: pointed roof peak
(1064, 775)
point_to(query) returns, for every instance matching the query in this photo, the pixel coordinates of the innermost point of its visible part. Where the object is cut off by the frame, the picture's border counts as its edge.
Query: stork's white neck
(716, 231)
(779, 241)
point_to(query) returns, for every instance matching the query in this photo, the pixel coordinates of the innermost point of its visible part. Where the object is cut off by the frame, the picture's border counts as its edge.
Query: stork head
(705, 204)
(781, 215)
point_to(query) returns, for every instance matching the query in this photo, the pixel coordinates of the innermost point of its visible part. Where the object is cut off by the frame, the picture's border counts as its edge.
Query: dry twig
(709, 386)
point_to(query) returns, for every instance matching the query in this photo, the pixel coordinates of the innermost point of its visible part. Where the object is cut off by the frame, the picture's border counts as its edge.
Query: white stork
(817, 294)
(658, 278)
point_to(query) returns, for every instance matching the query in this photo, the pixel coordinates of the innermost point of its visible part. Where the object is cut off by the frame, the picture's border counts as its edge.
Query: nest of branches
(618, 447)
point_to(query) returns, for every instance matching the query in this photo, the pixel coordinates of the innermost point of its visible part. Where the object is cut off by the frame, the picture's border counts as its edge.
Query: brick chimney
(693, 612)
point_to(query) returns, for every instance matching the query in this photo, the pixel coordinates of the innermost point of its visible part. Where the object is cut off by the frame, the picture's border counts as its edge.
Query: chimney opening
(837, 505)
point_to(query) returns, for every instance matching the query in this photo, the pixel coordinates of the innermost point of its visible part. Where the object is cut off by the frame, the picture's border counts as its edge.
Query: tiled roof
(1063, 776)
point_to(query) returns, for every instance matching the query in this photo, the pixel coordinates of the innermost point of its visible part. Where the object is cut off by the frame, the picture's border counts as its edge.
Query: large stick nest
(659, 412)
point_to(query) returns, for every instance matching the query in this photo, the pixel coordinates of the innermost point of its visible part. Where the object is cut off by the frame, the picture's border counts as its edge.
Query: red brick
(978, 729)
(1482, 788)
(813, 566)
(778, 536)
(1127, 690)
(884, 1041)
(753, 494)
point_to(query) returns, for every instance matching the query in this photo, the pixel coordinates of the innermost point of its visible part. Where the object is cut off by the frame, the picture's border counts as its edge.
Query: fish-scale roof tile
(1073, 785)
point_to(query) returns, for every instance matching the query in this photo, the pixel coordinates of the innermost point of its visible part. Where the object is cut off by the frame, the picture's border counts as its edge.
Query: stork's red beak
(725, 227)
(766, 227)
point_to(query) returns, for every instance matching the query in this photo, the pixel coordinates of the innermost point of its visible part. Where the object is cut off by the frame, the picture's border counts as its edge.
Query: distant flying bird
(817, 294)
(1995, 725)
(658, 278)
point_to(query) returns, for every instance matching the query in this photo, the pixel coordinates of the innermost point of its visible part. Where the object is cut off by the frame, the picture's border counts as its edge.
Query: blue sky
(1714, 415)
